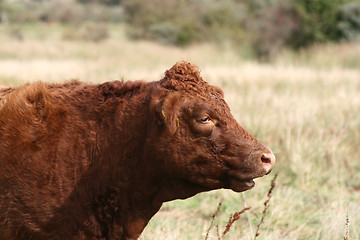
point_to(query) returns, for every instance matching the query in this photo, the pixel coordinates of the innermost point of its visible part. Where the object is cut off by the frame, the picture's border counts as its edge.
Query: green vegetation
(319, 21)
(304, 105)
(260, 28)
(349, 23)
(184, 22)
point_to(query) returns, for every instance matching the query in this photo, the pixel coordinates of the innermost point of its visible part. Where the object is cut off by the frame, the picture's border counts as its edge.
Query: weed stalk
(347, 226)
(212, 220)
(266, 205)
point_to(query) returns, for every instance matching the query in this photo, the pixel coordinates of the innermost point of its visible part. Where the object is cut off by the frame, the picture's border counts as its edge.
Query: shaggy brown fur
(81, 161)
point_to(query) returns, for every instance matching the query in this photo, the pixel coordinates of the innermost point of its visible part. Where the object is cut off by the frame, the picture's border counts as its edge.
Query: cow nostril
(268, 160)
(265, 159)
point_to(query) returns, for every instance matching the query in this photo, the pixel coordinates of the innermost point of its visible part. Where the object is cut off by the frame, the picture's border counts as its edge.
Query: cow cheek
(205, 168)
(192, 158)
(205, 173)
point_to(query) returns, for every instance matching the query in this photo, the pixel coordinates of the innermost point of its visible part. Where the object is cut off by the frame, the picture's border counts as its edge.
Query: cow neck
(118, 158)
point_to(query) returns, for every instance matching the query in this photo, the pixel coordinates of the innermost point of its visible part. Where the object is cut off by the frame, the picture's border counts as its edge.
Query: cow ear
(166, 111)
(156, 107)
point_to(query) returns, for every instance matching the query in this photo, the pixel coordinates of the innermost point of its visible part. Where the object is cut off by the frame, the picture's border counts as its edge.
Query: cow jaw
(241, 179)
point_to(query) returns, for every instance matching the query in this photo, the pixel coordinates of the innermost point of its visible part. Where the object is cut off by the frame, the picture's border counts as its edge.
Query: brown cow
(82, 161)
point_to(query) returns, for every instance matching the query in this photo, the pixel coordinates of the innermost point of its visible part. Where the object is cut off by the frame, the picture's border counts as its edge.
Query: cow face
(204, 143)
(225, 155)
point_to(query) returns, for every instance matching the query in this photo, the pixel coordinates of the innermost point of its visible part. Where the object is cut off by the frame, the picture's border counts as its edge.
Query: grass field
(305, 106)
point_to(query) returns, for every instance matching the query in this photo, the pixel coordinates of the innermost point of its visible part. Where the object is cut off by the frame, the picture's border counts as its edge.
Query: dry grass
(306, 107)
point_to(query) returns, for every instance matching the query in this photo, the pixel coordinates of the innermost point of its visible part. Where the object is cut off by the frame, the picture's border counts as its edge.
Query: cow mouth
(241, 185)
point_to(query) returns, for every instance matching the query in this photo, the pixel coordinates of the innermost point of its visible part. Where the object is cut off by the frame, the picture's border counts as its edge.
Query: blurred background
(290, 70)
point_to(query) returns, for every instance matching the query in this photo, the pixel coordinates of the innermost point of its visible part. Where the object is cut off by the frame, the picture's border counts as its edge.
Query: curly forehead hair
(185, 77)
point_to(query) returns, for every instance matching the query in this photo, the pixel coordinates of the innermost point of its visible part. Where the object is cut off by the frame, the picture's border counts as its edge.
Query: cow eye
(205, 119)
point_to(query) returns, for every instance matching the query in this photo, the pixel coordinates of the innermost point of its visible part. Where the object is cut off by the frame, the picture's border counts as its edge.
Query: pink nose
(268, 161)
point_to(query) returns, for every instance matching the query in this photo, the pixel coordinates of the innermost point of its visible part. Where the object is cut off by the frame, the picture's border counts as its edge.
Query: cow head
(202, 144)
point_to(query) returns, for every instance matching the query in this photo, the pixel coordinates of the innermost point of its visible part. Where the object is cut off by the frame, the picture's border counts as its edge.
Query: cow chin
(241, 185)
(234, 184)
